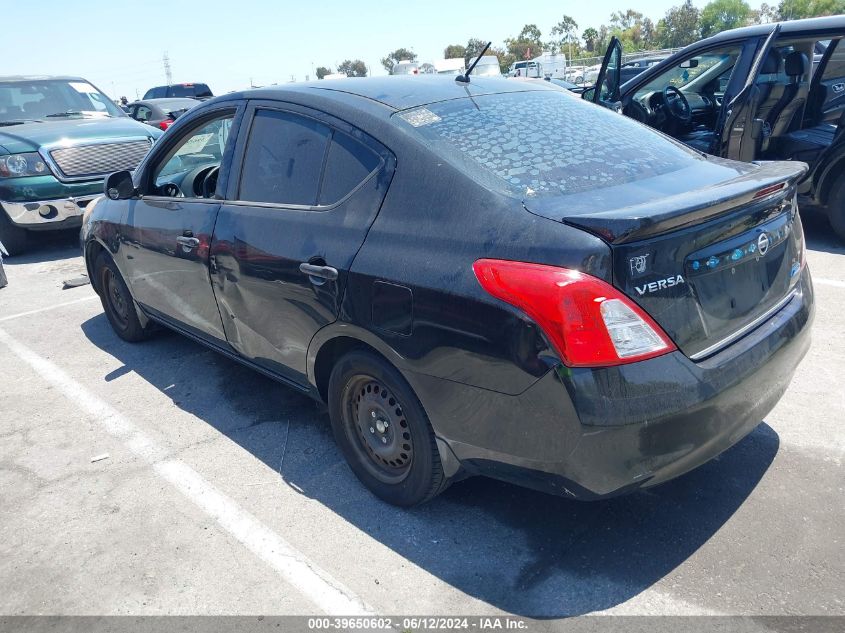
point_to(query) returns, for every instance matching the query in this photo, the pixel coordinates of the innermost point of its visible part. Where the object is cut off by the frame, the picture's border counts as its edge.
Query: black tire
(13, 237)
(836, 207)
(396, 456)
(117, 301)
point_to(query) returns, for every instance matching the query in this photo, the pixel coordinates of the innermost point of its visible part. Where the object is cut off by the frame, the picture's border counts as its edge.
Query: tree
(322, 71)
(527, 45)
(765, 14)
(722, 15)
(625, 20)
(679, 27)
(530, 33)
(796, 9)
(400, 54)
(590, 36)
(453, 51)
(566, 30)
(473, 49)
(353, 68)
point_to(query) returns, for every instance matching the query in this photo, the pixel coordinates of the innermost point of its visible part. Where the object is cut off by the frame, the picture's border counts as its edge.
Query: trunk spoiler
(636, 222)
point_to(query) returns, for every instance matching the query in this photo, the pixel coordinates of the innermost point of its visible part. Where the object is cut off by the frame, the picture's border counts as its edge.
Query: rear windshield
(189, 90)
(543, 143)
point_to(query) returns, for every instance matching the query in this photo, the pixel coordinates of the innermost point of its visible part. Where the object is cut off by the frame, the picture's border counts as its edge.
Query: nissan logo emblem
(762, 244)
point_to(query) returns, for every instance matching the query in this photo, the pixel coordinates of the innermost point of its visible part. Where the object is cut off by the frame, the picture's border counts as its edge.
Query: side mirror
(588, 93)
(119, 185)
(689, 63)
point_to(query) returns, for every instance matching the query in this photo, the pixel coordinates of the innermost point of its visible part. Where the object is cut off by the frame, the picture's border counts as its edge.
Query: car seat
(788, 112)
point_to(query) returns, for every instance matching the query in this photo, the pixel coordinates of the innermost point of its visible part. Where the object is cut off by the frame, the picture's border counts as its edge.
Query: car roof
(792, 27)
(397, 92)
(10, 78)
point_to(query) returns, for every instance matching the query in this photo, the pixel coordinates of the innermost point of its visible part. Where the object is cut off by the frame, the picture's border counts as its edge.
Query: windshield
(579, 147)
(686, 72)
(39, 99)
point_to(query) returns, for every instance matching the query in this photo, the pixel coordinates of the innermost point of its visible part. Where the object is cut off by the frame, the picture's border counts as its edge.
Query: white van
(488, 66)
(406, 67)
(524, 69)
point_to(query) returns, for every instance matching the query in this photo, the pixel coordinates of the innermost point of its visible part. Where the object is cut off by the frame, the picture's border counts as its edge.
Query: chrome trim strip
(29, 213)
(46, 153)
(745, 328)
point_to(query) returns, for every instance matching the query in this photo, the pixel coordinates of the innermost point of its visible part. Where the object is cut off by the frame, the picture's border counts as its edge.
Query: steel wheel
(117, 303)
(376, 427)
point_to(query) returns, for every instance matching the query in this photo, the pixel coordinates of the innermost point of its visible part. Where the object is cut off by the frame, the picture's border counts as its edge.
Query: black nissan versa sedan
(587, 308)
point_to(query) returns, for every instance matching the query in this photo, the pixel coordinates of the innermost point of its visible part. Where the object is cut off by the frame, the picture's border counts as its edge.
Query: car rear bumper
(592, 433)
(48, 214)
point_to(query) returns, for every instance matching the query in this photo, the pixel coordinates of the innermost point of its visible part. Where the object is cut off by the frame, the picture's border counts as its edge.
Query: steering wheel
(677, 105)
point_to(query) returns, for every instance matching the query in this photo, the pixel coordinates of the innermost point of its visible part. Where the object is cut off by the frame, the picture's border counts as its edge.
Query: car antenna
(464, 79)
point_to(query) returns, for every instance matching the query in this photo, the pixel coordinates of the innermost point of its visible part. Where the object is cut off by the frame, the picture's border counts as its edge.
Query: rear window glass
(347, 165)
(191, 90)
(544, 143)
(284, 159)
(835, 68)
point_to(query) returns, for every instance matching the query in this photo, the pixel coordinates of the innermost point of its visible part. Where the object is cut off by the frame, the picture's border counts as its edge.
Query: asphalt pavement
(162, 478)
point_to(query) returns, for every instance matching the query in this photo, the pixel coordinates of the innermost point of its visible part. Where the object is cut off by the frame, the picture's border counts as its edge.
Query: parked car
(593, 310)
(530, 69)
(160, 113)
(405, 67)
(59, 136)
(192, 91)
(751, 94)
(634, 67)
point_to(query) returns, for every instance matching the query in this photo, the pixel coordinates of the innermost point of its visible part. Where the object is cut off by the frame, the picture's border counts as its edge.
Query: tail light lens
(588, 321)
(166, 123)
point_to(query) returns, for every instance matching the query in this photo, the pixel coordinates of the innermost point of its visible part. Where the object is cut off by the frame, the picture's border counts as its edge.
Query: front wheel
(836, 207)
(383, 430)
(117, 301)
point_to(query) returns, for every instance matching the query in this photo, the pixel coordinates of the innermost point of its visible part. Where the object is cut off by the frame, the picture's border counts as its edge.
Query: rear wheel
(117, 302)
(13, 237)
(836, 207)
(383, 431)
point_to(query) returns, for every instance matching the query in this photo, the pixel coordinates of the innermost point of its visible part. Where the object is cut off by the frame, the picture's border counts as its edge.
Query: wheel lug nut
(384, 440)
(373, 413)
(372, 430)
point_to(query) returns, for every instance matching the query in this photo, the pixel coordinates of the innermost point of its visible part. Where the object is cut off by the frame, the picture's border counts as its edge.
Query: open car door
(740, 131)
(606, 91)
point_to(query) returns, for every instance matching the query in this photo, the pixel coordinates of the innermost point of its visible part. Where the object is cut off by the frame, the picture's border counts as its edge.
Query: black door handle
(324, 272)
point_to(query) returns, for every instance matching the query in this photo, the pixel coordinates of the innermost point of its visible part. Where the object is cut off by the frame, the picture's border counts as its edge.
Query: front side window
(190, 168)
(835, 68)
(143, 113)
(579, 147)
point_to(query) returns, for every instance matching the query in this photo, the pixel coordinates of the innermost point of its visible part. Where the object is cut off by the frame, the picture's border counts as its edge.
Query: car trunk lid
(707, 264)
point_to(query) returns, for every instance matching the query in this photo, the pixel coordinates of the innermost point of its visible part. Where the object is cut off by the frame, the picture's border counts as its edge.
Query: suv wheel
(836, 207)
(13, 237)
(383, 431)
(117, 302)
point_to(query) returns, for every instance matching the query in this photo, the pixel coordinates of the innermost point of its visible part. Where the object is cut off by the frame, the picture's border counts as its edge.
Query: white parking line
(293, 566)
(47, 309)
(829, 282)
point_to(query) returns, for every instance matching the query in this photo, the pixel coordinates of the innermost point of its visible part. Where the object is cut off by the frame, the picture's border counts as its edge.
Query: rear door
(167, 230)
(738, 127)
(305, 193)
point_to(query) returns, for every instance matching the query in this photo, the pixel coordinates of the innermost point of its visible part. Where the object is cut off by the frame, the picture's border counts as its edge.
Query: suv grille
(100, 159)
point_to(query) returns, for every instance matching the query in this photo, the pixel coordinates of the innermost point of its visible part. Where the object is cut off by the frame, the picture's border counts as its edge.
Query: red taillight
(767, 191)
(165, 124)
(588, 321)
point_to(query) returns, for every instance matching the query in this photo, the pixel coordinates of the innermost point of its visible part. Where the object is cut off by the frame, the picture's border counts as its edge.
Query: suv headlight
(19, 165)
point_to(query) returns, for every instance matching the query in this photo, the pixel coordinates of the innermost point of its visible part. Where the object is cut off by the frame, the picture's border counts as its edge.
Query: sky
(119, 45)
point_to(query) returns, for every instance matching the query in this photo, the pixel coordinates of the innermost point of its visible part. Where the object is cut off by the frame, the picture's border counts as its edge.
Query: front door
(167, 231)
(606, 90)
(307, 190)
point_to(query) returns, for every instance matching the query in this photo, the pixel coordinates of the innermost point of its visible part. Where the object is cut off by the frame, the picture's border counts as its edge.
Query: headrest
(796, 64)
(772, 64)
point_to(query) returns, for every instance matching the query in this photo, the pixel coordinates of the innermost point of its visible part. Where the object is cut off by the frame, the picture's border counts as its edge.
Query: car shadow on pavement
(47, 246)
(521, 551)
(819, 233)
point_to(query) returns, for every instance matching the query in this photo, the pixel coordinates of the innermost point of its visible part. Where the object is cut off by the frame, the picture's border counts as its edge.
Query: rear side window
(284, 159)
(347, 165)
(579, 147)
